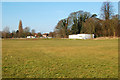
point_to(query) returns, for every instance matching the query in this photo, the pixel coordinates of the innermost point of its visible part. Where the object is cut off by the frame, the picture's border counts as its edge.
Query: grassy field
(59, 58)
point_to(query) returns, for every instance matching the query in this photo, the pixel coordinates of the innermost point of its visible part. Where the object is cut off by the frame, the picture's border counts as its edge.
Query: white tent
(81, 36)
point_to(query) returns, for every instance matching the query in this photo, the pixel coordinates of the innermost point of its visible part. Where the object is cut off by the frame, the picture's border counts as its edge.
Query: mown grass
(58, 58)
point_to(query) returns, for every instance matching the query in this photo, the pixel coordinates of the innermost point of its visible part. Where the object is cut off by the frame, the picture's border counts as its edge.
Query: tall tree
(106, 10)
(20, 29)
(106, 14)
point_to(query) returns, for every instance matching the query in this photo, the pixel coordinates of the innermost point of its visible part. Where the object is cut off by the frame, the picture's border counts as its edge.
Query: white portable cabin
(31, 37)
(81, 36)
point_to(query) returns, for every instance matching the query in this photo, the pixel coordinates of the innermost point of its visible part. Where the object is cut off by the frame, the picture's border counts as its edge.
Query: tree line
(83, 22)
(20, 33)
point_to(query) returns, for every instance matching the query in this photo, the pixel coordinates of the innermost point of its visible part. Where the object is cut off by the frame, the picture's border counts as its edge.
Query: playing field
(59, 58)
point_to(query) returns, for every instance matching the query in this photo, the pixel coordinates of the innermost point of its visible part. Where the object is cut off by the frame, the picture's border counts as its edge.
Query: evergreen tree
(20, 29)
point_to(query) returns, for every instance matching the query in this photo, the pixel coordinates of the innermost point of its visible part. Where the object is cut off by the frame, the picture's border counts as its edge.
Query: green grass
(58, 58)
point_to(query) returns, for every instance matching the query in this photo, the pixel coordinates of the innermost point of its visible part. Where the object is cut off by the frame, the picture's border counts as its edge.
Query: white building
(81, 36)
(31, 37)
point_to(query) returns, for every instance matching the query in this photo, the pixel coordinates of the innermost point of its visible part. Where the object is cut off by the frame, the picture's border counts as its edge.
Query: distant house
(45, 35)
(35, 34)
(31, 37)
(81, 36)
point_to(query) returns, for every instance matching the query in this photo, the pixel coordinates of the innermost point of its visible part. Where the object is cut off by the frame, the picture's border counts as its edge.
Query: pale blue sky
(44, 16)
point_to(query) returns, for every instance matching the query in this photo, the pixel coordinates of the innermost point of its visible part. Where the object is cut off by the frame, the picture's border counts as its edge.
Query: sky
(44, 16)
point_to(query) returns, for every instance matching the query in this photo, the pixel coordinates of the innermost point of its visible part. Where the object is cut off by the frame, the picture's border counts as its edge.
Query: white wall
(81, 36)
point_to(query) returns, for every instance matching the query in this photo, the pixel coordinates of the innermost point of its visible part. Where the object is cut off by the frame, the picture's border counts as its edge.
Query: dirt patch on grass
(103, 38)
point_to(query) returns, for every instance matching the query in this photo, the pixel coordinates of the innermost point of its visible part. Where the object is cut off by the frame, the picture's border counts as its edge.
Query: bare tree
(6, 29)
(106, 14)
(33, 31)
(5, 32)
(106, 10)
(26, 29)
